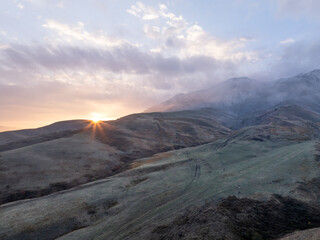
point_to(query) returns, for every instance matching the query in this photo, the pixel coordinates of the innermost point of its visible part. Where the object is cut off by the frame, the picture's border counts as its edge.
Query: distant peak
(240, 82)
(238, 79)
(315, 72)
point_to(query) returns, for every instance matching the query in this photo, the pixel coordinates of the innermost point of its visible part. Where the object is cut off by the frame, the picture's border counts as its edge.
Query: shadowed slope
(52, 162)
(20, 135)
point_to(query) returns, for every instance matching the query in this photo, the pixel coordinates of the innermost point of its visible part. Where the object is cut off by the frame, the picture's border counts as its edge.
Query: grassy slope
(41, 165)
(130, 204)
(53, 164)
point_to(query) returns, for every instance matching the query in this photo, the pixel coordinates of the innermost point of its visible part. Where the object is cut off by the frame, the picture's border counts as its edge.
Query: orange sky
(35, 118)
(62, 60)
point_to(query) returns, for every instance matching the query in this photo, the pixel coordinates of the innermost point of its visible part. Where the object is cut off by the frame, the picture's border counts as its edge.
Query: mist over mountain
(243, 95)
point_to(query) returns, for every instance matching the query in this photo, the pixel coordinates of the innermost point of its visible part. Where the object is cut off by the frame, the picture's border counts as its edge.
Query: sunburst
(95, 120)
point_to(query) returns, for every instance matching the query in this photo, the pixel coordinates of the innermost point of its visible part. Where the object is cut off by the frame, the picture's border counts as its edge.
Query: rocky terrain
(243, 167)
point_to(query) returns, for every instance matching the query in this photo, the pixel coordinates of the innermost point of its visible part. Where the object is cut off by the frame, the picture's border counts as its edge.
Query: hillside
(144, 201)
(52, 161)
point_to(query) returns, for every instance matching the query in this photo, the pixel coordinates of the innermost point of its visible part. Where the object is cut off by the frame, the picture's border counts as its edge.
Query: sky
(71, 59)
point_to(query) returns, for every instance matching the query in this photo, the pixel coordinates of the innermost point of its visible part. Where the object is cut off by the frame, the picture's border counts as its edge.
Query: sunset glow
(118, 59)
(97, 117)
(95, 120)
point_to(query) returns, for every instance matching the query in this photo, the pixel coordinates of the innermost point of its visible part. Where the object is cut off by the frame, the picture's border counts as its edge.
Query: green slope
(129, 205)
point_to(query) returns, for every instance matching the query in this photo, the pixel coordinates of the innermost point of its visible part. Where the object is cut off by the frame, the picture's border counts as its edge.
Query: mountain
(223, 94)
(302, 89)
(236, 161)
(244, 95)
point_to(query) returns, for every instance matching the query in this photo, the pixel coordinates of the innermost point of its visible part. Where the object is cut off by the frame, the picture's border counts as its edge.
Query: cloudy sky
(71, 59)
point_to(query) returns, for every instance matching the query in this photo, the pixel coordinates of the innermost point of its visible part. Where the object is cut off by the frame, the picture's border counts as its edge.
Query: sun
(96, 117)
(95, 120)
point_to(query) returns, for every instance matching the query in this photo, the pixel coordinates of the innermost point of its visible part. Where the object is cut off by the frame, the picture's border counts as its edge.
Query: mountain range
(239, 160)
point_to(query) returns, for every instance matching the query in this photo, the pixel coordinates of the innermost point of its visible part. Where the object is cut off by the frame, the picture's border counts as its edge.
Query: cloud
(288, 40)
(198, 42)
(298, 8)
(19, 5)
(174, 36)
(295, 58)
(61, 4)
(126, 59)
(150, 13)
(142, 11)
(77, 33)
(177, 51)
(4, 46)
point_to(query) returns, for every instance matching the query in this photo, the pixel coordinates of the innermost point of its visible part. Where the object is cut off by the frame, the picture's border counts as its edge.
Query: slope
(136, 202)
(20, 135)
(71, 158)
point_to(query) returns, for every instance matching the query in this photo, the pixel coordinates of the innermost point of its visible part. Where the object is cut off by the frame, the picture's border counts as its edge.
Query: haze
(105, 59)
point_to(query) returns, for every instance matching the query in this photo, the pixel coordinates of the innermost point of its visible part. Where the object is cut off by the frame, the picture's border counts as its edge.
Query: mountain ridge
(237, 94)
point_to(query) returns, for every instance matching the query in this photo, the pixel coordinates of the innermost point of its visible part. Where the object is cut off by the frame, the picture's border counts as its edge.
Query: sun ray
(97, 128)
